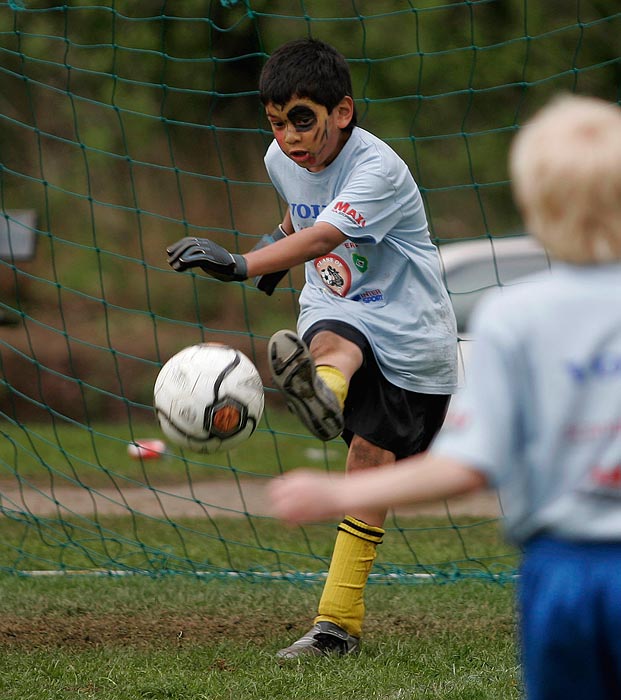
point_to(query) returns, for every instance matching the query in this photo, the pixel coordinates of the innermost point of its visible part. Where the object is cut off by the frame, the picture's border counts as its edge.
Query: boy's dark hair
(306, 68)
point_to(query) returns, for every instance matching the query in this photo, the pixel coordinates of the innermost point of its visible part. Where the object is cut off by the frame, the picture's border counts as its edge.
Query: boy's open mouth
(299, 156)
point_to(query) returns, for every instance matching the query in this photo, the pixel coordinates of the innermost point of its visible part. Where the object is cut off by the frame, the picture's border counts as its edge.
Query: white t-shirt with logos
(385, 279)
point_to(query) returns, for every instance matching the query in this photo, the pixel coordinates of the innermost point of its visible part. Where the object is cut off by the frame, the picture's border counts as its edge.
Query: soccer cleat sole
(293, 372)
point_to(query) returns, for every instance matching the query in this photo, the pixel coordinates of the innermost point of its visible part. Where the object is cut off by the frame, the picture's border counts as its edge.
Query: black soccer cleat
(323, 639)
(307, 395)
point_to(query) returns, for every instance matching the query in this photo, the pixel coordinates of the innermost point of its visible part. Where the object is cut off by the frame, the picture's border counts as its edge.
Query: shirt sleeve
(366, 209)
(483, 427)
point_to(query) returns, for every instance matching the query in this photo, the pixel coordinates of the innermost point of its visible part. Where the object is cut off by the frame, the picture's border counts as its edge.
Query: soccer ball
(208, 398)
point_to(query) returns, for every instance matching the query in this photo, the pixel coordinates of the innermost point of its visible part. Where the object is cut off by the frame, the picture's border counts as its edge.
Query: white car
(471, 268)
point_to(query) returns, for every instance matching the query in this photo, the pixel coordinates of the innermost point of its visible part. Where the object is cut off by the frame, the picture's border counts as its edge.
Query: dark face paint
(303, 118)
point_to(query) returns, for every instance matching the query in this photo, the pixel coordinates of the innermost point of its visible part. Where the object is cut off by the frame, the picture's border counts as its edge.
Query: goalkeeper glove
(267, 283)
(209, 256)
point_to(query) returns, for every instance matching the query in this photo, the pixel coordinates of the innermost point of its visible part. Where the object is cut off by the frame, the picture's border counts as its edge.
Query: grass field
(175, 636)
(182, 639)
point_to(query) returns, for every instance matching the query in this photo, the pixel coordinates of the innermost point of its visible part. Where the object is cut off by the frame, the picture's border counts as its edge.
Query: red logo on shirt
(346, 209)
(334, 273)
(457, 420)
(609, 477)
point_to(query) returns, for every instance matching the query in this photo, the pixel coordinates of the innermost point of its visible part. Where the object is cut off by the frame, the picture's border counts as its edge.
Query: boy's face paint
(306, 133)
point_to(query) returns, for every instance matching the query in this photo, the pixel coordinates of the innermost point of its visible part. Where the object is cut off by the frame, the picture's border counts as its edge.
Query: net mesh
(126, 126)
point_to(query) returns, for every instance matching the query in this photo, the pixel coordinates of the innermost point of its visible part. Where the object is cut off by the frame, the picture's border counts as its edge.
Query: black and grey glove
(209, 256)
(267, 283)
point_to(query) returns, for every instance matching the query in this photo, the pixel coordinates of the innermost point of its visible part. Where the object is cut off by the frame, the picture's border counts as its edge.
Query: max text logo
(347, 210)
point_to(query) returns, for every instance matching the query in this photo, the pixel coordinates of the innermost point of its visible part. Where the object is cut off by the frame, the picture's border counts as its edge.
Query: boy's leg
(341, 610)
(394, 423)
(342, 601)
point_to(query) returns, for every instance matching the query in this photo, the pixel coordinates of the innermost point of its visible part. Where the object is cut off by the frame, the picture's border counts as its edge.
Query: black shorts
(403, 422)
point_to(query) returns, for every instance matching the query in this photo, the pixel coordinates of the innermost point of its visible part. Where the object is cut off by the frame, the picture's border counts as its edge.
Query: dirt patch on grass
(168, 630)
(162, 630)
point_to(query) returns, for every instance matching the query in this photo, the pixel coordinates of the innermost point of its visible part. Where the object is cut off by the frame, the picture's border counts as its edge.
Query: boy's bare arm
(307, 244)
(308, 495)
(220, 263)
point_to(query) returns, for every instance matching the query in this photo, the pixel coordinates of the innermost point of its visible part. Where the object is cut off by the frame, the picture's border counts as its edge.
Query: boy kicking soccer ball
(540, 416)
(375, 355)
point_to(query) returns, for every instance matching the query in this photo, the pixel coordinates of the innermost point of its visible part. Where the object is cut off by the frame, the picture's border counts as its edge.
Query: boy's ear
(344, 112)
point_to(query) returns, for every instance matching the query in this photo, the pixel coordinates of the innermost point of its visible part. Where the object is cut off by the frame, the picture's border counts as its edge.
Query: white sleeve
(366, 209)
(484, 427)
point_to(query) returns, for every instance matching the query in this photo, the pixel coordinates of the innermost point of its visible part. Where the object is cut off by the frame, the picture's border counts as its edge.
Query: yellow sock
(342, 601)
(335, 380)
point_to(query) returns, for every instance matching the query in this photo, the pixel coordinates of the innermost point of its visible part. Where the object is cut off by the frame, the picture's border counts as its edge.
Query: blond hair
(566, 170)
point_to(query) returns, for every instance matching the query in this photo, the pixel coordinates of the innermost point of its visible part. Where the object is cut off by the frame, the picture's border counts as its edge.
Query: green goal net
(127, 125)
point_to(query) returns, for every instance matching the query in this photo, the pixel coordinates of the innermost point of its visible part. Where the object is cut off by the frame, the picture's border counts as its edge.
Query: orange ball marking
(226, 419)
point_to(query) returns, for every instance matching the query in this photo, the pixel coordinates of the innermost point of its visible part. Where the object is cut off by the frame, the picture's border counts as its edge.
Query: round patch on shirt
(334, 273)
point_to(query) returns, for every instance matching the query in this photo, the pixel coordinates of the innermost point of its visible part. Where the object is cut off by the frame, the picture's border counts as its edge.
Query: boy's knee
(365, 455)
(329, 348)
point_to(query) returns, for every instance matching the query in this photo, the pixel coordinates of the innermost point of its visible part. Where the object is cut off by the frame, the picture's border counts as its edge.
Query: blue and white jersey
(385, 279)
(540, 414)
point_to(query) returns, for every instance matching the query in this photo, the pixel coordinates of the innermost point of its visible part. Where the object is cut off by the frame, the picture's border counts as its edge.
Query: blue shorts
(569, 598)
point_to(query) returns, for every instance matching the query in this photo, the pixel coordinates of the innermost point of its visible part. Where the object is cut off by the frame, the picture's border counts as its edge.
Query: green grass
(179, 638)
(94, 455)
(172, 636)
(95, 459)
(258, 545)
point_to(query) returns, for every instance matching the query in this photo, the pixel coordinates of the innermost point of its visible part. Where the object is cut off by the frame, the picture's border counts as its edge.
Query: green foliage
(108, 107)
